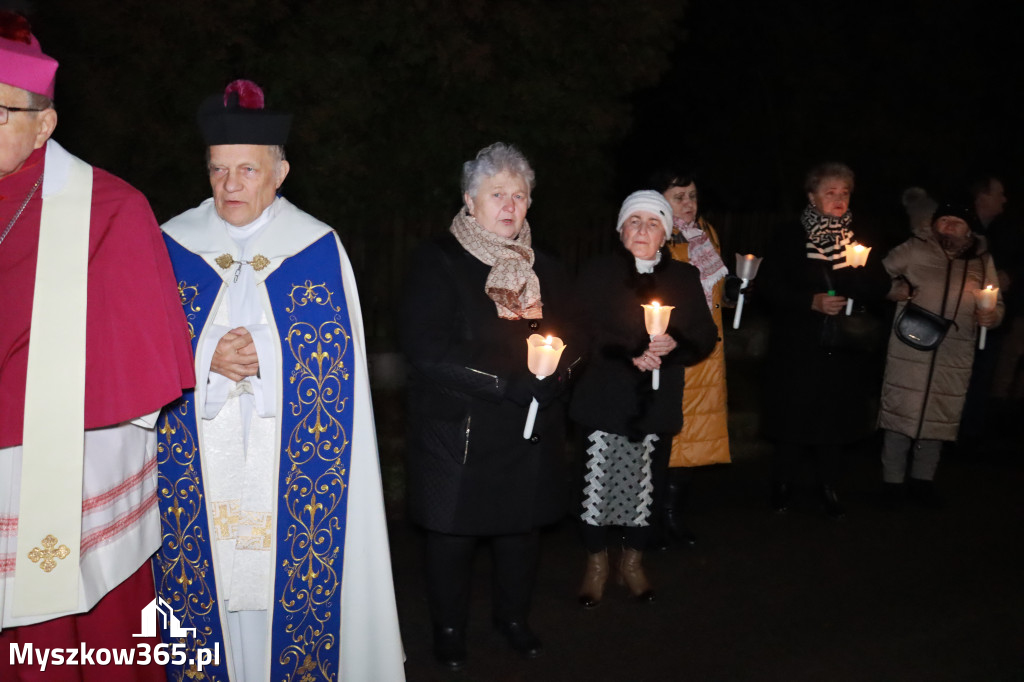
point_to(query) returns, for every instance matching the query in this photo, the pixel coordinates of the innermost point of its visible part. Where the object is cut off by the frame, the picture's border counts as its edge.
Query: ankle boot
(450, 646)
(631, 574)
(596, 575)
(782, 495)
(675, 530)
(833, 507)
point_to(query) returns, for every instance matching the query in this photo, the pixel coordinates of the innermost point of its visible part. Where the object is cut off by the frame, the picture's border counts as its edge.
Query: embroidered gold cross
(49, 552)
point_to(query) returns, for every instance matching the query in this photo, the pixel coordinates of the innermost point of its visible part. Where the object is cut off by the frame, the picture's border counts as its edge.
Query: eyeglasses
(4, 111)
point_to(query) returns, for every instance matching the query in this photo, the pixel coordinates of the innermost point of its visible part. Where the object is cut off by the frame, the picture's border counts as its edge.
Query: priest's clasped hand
(235, 356)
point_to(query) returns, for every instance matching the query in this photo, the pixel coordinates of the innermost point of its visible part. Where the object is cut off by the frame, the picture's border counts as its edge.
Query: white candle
(656, 320)
(746, 270)
(542, 355)
(985, 299)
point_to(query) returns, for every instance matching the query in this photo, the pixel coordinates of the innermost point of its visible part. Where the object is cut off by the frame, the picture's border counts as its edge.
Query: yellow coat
(705, 435)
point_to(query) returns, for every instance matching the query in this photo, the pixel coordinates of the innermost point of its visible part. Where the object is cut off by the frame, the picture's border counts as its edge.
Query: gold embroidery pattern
(184, 569)
(224, 261)
(310, 293)
(49, 553)
(188, 294)
(309, 595)
(249, 529)
(259, 261)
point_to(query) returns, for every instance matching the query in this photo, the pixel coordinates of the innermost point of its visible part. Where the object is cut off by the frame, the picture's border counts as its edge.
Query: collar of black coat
(642, 283)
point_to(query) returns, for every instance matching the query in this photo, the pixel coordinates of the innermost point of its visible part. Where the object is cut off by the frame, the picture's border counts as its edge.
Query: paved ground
(880, 595)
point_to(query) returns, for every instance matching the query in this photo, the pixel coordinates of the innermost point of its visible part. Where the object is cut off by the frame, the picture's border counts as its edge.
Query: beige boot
(594, 579)
(631, 574)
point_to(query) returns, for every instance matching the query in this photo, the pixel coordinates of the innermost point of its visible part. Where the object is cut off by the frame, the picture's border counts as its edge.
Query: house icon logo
(170, 622)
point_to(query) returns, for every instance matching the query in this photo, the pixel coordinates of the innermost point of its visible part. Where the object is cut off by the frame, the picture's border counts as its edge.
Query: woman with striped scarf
(823, 369)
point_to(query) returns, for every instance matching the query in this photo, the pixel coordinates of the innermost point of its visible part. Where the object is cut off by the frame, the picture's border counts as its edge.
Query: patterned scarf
(827, 237)
(512, 284)
(702, 254)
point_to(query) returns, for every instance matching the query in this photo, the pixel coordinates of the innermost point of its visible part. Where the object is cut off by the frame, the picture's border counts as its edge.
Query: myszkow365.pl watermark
(142, 653)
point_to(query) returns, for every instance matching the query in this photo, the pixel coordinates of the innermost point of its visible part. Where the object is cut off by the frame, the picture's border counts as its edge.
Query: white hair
(492, 160)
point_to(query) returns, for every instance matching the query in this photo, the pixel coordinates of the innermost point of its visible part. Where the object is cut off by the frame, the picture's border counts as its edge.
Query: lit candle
(985, 299)
(542, 355)
(746, 270)
(656, 320)
(856, 257)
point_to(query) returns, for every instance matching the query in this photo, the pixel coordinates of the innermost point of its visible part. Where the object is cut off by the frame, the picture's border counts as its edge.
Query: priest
(92, 344)
(275, 543)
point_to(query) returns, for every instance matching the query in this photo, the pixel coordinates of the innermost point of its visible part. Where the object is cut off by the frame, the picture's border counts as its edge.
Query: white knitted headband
(650, 201)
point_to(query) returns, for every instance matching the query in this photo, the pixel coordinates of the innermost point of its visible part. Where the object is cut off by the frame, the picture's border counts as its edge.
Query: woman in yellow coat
(704, 438)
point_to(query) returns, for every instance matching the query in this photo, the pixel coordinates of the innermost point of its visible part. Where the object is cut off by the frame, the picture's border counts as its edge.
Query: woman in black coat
(615, 400)
(471, 300)
(824, 367)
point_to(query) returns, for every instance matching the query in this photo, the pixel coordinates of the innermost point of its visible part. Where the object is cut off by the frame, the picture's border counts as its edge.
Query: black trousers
(450, 572)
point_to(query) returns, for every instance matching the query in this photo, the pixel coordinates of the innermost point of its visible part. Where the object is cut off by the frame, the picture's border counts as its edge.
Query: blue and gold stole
(308, 302)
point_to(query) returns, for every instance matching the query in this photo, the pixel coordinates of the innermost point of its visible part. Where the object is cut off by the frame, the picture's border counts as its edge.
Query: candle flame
(858, 247)
(655, 305)
(749, 256)
(988, 288)
(547, 341)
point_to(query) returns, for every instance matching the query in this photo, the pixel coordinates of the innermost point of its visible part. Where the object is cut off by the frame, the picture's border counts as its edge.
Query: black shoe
(782, 495)
(833, 507)
(923, 493)
(520, 637)
(450, 647)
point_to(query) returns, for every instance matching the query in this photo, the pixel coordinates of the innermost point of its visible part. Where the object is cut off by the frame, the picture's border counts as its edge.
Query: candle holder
(985, 299)
(856, 257)
(746, 270)
(542, 355)
(656, 320)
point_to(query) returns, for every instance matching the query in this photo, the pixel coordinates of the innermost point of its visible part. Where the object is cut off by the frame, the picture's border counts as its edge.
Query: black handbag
(920, 328)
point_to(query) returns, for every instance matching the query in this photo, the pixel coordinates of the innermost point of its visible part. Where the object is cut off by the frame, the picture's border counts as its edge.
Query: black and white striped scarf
(827, 237)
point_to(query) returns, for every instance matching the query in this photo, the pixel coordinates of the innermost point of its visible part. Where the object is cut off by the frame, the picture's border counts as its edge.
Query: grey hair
(37, 101)
(496, 158)
(276, 154)
(829, 169)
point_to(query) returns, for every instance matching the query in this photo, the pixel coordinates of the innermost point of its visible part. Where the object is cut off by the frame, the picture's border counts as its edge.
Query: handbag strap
(945, 292)
(960, 296)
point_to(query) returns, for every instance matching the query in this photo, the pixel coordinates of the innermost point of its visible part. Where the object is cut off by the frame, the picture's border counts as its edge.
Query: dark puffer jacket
(470, 471)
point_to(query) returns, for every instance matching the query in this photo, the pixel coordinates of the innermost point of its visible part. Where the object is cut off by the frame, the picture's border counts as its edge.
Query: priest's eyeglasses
(5, 111)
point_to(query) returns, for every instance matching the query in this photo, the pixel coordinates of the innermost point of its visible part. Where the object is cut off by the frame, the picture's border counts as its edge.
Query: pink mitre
(23, 65)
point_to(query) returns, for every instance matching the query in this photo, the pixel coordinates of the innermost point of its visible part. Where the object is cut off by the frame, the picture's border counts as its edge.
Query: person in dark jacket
(824, 365)
(616, 401)
(471, 300)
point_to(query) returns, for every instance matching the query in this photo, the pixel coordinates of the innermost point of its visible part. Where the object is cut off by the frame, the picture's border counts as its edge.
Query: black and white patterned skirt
(618, 490)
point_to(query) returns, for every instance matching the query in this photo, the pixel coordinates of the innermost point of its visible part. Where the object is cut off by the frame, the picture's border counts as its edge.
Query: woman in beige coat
(923, 391)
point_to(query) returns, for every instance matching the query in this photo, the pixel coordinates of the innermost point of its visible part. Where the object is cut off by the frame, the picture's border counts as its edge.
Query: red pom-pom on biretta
(250, 95)
(15, 27)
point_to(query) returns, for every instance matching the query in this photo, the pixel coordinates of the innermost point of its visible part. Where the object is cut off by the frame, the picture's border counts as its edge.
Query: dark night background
(390, 99)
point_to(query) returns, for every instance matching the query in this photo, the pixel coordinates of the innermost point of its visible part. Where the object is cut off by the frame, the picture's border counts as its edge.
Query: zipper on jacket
(465, 452)
(485, 374)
